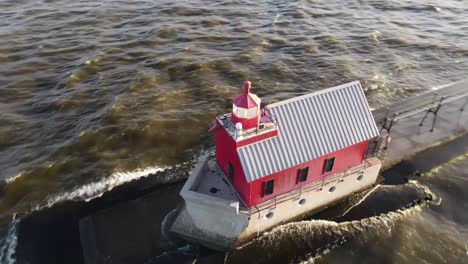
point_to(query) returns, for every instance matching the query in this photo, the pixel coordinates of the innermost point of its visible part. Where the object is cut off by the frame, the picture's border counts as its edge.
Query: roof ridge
(298, 98)
(311, 126)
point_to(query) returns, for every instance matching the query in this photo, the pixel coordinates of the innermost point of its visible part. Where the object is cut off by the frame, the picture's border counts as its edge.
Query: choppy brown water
(91, 88)
(437, 234)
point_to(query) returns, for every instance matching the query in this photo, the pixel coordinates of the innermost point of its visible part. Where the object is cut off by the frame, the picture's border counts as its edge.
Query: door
(231, 173)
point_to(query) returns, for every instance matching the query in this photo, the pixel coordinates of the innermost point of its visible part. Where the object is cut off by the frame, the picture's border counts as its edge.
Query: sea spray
(307, 240)
(384, 199)
(93, 190)
(360, 200)
(9, 243)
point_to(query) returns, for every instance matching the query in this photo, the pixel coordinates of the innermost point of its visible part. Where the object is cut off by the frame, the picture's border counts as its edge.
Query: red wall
(286, 180)
(226, 151)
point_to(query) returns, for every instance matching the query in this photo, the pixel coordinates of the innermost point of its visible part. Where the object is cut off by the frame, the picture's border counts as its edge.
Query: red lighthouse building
(284, 146)
(278, 163)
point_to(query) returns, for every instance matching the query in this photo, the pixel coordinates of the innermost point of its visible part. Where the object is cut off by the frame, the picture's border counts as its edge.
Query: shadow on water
(51, 235)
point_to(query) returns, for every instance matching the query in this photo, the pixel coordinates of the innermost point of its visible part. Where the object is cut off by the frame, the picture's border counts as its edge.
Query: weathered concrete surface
(205, 222)
(409, 138)
(211, 220)
(313, 200)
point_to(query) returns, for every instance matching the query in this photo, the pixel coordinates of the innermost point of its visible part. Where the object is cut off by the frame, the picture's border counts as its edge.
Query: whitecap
(14, 178)
(96, 189)
(8, 249)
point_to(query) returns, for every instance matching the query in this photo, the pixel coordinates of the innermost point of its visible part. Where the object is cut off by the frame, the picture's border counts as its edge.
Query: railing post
(258, 211)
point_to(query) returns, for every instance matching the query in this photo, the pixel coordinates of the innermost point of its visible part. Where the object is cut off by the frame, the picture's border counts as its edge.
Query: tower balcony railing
(268, 122)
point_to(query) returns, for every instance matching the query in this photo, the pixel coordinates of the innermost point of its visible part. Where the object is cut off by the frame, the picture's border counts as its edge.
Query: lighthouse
(276, 163)
(247, 124)
(246, 109)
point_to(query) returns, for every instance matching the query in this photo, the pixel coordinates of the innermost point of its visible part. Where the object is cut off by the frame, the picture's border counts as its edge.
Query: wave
(96, 189)
(93, 190)
(449, 163)
(14, 178)
(312, 239)
(8, 249)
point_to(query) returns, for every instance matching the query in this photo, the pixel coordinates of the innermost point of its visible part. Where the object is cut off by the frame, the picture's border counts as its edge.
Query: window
(268, 187)
(329, 165)
(231, 172)
(302, 174)
(244, 112)
(302, 201)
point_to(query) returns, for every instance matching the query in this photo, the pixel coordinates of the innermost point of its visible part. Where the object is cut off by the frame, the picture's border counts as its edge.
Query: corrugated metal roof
(311, 126)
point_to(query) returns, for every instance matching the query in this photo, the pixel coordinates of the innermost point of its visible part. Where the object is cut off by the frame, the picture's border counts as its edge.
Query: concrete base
(216, 224)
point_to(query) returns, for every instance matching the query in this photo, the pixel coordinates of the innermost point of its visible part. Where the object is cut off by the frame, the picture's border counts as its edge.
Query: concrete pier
(222, 222)
(108, 237)
(409, 138)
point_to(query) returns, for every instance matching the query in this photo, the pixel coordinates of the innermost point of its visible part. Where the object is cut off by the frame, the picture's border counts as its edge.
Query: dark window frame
(302, 174)
(269, 187)
(328, 165)
(231, 172)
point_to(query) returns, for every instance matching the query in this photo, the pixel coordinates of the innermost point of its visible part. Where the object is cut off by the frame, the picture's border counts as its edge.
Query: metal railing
(429, 101)
(266, 117)
(377, 147)
(296, 194)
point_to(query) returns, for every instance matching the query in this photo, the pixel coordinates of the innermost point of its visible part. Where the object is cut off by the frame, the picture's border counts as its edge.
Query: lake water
(94, 94)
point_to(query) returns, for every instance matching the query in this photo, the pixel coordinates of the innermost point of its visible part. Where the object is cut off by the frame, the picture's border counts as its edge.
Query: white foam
(442, 86)
(94, 190)
(322, 236)
(361, 200)
(8, 249)
(14, 178)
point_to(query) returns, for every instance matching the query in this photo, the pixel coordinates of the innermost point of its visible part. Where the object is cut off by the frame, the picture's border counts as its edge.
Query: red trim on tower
(247, 123)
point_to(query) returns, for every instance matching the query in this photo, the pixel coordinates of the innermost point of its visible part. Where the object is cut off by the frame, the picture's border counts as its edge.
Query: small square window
(268, 187)
(329, 165)
(302, 174)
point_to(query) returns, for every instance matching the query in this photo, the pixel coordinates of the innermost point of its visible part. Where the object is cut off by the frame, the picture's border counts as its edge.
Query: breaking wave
(94, 190)
(309, 240)
(14, 178)
(451, 162)
(9, 243)
(360, 200)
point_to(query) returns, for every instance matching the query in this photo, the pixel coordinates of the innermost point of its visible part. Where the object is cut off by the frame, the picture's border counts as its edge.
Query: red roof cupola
(246, 109)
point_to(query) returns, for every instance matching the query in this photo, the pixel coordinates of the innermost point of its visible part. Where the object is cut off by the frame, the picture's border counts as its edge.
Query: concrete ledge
(409, 138)
(190, 195)
(219, 227)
